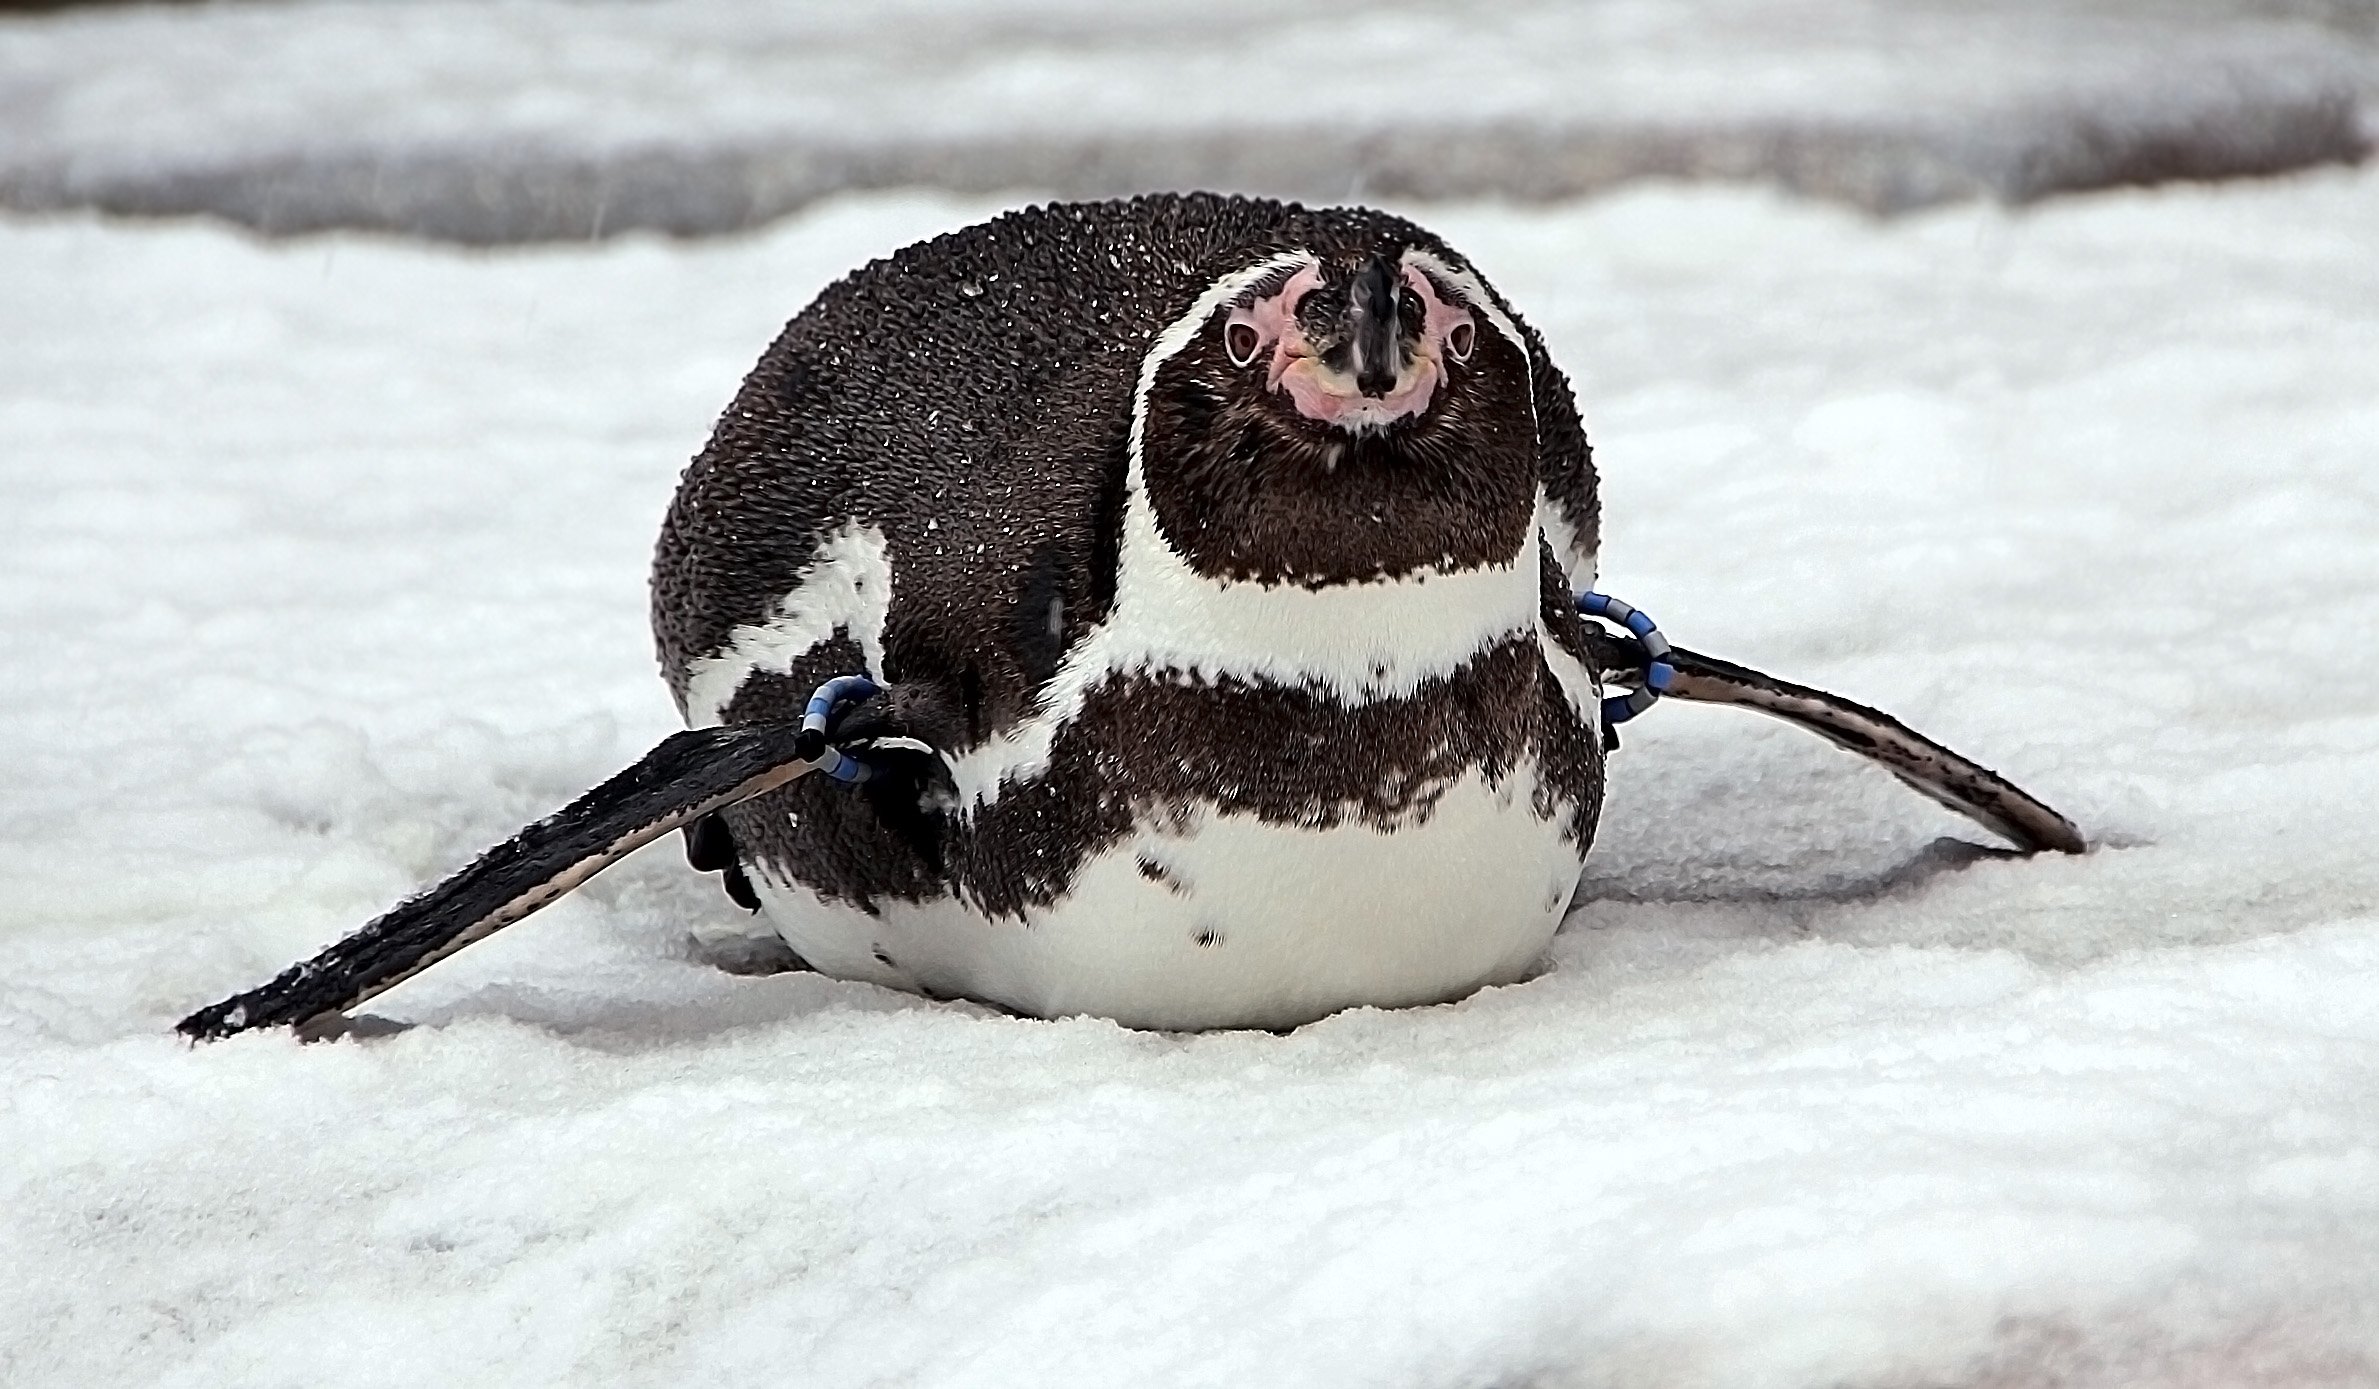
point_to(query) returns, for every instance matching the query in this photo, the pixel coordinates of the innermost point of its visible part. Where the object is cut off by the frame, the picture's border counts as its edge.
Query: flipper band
(1659, 672)
(841, 690)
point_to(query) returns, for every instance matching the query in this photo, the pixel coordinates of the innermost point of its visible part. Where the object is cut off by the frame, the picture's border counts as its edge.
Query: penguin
(1183, 596)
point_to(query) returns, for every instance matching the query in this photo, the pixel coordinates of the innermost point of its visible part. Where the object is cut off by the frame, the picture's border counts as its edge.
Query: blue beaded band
(841, 690)
(1658, 672)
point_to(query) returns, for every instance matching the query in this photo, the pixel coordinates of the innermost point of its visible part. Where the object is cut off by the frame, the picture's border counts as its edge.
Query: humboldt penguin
(1183, 596)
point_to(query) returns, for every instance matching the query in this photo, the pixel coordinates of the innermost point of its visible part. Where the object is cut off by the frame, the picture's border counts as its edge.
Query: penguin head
(1338, 414)
(1358, 346)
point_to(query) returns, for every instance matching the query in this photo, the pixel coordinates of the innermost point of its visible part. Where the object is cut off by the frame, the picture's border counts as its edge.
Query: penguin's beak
(1365, 370)
(1375, 344)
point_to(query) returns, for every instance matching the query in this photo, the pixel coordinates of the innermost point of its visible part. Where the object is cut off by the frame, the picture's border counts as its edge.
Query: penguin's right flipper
(1928, 768)
(689, 776)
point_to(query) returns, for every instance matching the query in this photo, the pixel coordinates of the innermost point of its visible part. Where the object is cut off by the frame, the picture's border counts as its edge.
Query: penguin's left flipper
(1928, 768)
(690, 775)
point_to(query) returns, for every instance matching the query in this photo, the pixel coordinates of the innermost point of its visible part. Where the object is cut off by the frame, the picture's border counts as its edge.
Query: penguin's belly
(1201, 919)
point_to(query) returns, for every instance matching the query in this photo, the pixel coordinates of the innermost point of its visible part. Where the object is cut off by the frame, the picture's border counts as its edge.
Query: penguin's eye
(1410, 310)
(1461, 339)
(1242, 341)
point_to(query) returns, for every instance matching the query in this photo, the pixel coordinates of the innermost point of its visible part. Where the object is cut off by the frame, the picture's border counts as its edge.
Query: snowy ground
(321, 566)
(568, 119)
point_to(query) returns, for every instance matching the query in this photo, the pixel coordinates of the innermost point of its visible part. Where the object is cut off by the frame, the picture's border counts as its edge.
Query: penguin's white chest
(1200, 919)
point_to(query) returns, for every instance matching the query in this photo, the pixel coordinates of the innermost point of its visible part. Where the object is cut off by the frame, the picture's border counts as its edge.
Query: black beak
(1375, 330)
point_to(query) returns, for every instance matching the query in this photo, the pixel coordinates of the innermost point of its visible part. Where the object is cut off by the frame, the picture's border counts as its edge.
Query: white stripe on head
(1181, 331)
(1358, 641)
(1476, 296)
(847, 586)
(1578, 565)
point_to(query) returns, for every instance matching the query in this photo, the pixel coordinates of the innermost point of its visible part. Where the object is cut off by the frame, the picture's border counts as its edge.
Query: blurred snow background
(561, 119)
(321, 567)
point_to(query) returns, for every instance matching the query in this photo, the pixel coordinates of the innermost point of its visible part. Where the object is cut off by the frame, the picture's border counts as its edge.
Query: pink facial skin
(1331, 397)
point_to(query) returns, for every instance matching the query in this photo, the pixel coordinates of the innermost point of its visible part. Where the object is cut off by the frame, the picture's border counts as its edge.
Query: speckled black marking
(1156, 872)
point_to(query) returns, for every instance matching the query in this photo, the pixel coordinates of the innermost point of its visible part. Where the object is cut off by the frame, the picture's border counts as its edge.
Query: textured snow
(322, 567)
(559, 118)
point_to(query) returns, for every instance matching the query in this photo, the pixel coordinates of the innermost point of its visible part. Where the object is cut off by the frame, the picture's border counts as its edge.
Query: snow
(322, 565)
(560, 118)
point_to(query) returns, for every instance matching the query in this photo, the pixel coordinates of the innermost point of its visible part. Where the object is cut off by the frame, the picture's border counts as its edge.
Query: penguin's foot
(710, 848)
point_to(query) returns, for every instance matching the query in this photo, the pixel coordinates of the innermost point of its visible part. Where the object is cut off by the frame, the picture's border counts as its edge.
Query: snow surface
(560, 118)
(322, 567)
